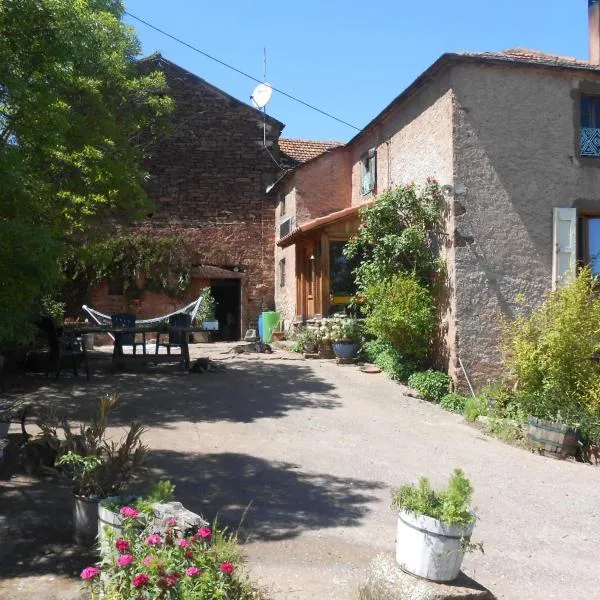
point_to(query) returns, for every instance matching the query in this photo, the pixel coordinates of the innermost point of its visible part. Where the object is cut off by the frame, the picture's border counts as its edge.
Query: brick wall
(208, 173)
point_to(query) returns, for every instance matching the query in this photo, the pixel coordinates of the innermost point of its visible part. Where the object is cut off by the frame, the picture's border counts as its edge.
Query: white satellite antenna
(261, 95)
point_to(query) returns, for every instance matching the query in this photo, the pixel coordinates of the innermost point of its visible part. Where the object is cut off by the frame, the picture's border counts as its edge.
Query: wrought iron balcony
(590, 141)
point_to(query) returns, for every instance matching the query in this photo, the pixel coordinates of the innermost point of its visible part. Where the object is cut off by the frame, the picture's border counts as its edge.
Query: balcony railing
(590, 141)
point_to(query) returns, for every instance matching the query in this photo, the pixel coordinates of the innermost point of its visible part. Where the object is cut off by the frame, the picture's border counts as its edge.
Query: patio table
(118, 354)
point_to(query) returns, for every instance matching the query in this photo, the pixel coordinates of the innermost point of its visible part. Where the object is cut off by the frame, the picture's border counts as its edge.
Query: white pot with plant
(434, 527)
(98, 467)
(206, 317)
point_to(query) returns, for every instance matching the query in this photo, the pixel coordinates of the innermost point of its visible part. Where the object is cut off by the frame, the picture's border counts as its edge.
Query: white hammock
(102, 319)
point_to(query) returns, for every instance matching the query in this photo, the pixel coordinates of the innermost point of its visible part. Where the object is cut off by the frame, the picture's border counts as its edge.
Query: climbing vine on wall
(163, 263)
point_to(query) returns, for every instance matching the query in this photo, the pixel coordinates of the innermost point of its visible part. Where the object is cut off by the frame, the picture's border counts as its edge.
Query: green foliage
(400, 310)
(451, 505)
(395, 235)
(164, 263)
(432, 385)
(390, 360)
(74, 106)
(506, 430)
(208, 306)
(454, 403)
(304, 336)
(50, 307)
(549, 353)
(161, 492)
(475, 407)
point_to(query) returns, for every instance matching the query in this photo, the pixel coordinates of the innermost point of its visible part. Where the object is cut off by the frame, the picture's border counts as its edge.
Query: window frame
(368, 165)
(282, 272)
(583, 236)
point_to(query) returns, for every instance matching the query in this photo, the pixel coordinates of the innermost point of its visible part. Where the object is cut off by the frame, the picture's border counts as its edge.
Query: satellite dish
(261, 95)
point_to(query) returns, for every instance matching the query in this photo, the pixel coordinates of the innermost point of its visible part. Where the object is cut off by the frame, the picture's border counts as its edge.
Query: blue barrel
(260, 326)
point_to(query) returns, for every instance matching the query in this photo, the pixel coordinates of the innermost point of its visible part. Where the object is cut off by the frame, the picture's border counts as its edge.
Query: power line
(180, 41)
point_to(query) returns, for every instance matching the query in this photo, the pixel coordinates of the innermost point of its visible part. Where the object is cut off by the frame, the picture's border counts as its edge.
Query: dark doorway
(227, 295)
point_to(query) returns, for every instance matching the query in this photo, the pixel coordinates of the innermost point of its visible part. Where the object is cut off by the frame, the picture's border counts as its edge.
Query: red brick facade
(209, 174)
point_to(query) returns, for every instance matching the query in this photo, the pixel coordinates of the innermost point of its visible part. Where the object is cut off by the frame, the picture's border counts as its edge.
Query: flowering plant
(144, 564)
(336, 329)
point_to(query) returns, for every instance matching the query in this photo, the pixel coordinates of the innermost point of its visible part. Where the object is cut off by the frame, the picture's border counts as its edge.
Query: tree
(75, 109)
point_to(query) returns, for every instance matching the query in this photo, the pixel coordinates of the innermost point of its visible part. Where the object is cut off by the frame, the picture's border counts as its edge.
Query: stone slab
(386, 581)
(185, 518)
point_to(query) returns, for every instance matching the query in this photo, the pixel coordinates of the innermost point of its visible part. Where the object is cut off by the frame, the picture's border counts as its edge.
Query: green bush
(454, 403)
(432, 385)
(475, 407)
(549, 353)
(451, 505)
(400, 310)
(390, 360)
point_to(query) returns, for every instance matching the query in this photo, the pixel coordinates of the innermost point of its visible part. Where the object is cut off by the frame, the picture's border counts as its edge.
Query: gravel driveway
(315, 449)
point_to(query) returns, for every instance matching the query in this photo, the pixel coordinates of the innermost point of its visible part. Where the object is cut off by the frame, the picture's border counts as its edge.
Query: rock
(250, 335)
(386, 581)
(185, 518)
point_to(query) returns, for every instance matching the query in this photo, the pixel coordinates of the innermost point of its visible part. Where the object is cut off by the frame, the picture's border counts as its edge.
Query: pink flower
(205, 532)
(124, 560)
(192, 571)
(90, 573)
(148, 560)
(188, 554)
(140, 579)
(183, 543)
(127, 511)
(121, 545)
(226, 567)
(154, 540)
(168, 581)
(171, 522)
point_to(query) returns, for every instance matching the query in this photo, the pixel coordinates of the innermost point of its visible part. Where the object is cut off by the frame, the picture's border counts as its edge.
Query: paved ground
(316, 449)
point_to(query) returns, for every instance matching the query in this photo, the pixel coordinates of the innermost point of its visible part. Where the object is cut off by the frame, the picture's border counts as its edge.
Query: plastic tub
(270, 324)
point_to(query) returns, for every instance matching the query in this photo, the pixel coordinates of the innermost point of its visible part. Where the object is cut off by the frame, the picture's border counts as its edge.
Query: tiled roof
(296, 152)
(528, 56)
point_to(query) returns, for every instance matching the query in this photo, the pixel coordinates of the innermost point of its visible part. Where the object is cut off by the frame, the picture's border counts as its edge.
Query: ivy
(164, 263)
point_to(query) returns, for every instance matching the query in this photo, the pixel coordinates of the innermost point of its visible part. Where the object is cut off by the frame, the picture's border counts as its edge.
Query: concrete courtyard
(314, 450)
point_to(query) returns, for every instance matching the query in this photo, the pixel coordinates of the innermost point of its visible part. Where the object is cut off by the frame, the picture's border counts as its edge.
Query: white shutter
(565, 246)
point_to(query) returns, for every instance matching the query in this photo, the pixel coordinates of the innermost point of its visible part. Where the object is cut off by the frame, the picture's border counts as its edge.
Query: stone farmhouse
(209, 173)
(514, 139)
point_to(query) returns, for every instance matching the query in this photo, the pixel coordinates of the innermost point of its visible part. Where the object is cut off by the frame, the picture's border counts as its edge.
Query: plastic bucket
(270, 324)
(260, 327)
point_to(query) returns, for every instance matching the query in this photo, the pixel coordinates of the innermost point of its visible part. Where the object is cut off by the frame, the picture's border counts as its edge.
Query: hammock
(102, 319)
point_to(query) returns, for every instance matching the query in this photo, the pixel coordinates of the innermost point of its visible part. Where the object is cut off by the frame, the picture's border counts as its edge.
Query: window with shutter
(590, 241)
(369, 172)
(590, 125)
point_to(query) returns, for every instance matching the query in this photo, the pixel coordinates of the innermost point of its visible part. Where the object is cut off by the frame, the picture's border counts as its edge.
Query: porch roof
(319, 223)
(212, 272)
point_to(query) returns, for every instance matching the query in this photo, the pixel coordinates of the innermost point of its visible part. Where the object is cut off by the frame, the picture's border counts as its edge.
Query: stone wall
(515, 159)
(209, 172)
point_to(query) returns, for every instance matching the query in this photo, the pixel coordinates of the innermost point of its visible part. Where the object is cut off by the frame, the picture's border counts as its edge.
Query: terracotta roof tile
(296, 152)
(529, 56)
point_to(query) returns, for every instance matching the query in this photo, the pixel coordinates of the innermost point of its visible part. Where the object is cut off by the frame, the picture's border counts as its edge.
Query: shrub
(401, 311)
(454, 403)
(549, 353)
(390, 360)
(450, 505)
(432, 385)
(475, 407)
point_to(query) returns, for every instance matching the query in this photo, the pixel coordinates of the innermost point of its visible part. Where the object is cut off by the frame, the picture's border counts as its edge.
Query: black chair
(127, 320)
(62, 346)
(176, 338)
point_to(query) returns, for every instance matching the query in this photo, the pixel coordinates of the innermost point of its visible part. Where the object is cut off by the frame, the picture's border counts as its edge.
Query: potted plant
(98, 467)
(306, 340)
(206, 317)
(346, 334)
(434, 527)
(325, 336)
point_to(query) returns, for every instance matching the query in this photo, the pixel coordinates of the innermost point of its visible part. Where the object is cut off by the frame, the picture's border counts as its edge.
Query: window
(590, 125)
(589, 247)
(282, 272)
(341, 280)
(368, 176)
(285, 227)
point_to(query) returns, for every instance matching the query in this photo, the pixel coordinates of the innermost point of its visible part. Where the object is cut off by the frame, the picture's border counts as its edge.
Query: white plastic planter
(427, 548)
(85, 520)
(108, 521)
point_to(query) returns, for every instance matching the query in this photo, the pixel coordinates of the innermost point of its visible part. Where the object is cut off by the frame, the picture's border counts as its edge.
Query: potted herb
(434, 527)
(98, 467)
(306, 340)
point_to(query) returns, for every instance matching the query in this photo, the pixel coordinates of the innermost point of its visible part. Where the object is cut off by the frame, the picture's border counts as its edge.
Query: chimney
(594, 26)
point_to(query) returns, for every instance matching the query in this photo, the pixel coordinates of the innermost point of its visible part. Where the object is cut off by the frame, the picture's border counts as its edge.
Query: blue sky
(347, 57)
